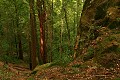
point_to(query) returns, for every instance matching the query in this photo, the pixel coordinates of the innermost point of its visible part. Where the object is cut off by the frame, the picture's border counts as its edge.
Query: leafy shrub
(11, 59)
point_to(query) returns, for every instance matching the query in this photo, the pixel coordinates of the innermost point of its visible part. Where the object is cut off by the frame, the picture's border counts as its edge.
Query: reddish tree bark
(42, 17)
(33, 47)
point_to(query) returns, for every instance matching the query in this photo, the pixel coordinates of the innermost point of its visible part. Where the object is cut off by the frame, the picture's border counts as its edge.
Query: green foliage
(76, 65)
(14, 19)
(31, 78)
(117, 79)
(62, 60)
(10, 59)
(5, 45)
(89, 55)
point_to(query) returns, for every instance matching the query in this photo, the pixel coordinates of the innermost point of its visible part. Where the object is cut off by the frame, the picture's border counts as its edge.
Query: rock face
(99, 32)
(97, 14)
(105, 49)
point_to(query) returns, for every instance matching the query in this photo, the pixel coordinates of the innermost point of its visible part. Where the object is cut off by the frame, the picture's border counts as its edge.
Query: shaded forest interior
(60, 39)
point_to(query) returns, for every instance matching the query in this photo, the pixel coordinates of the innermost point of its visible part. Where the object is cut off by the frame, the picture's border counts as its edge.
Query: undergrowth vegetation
(10, 59)
(105, 49)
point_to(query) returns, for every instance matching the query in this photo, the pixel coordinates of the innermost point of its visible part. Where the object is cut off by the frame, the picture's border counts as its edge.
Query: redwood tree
(33, 42)
(42, 17)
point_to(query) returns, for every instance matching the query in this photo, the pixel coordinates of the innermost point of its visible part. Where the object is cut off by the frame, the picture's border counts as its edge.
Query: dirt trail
(13, 71)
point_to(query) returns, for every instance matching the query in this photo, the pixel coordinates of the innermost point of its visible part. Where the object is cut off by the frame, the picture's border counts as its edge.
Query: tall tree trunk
(20, 47)
(42, 18)
(76, 46)
(68, 30)
(33, 35)
(51, 32)
(16, 45)
(61, 38)
(19, 50)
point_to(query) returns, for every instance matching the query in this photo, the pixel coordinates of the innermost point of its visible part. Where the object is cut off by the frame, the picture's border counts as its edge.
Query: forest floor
(76, 70)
